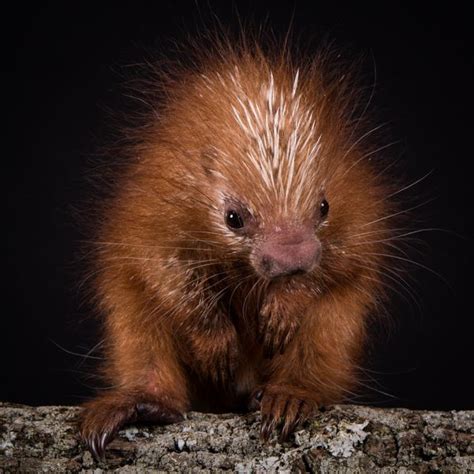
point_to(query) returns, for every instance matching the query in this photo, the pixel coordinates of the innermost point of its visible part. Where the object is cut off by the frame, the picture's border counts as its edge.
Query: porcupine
(239, 260)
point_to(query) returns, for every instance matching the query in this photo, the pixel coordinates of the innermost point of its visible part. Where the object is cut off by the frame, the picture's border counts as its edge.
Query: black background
(65, 77)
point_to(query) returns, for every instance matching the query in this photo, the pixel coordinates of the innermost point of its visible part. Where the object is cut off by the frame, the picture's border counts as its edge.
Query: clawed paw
(104, 417)
(283, 412)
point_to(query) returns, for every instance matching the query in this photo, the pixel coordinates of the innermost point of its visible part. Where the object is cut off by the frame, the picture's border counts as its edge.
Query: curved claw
(97, 442)
(97, 450)
(92, 446)
(268, 425)
(104, 440)
(293, 418)
(282, 413)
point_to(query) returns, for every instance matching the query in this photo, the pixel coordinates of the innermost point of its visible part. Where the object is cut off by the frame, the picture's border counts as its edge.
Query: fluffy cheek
(340, 262)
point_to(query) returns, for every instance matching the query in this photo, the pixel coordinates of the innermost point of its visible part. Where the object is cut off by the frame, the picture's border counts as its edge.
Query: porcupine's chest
(252, 366)
(247, 377)
(244, 312)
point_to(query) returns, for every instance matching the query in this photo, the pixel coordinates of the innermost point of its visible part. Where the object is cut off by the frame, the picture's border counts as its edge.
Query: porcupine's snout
(288, 252)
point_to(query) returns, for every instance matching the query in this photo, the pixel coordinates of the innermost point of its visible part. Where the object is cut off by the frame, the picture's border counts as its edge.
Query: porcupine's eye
(324, 208)
(233, 219)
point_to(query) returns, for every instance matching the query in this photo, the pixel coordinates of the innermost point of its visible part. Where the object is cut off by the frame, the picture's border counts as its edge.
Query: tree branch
(343, 438)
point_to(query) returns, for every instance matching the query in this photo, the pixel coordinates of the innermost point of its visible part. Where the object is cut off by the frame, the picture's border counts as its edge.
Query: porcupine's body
(240, 257)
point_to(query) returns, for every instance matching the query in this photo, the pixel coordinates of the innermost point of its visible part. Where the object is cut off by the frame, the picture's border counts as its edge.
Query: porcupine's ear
(208, 159)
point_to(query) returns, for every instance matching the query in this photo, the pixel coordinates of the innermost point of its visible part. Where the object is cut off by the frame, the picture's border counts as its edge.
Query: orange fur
(189, 323)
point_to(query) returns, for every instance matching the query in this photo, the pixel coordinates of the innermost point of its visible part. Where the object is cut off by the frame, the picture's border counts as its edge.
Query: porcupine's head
(284, 167)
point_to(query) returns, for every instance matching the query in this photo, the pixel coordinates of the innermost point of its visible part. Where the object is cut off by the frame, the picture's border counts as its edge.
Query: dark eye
(324, 208)
(234, 220)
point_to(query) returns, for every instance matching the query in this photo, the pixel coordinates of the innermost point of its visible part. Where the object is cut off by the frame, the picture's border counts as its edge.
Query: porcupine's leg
(211, 346)
(104, 416)
(279, 320)
(319, 369)
(148, 383)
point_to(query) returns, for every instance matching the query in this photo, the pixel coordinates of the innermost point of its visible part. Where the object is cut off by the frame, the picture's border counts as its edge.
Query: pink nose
(289, 254)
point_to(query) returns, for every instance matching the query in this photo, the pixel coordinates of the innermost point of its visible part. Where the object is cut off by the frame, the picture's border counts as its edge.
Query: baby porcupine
(239, 258)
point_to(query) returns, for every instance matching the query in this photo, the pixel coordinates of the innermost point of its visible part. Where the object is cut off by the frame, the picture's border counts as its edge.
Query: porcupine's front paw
(276, 327)
(283, 408)
(103, 417)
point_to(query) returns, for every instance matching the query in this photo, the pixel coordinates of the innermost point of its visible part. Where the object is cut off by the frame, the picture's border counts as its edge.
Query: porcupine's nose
(289, 253)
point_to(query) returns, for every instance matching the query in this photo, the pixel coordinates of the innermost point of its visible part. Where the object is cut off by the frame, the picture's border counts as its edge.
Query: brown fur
(189, 323)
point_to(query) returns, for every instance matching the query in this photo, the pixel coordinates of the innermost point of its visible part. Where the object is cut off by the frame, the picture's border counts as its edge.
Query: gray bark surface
(343, 438)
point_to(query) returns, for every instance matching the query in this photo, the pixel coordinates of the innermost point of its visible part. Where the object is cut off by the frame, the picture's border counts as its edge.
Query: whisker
(373, 152)
(399, 213)
(400, 282)
(410, 185)
(83, 356)
(411, 232)
(413, 262)
(366, 134)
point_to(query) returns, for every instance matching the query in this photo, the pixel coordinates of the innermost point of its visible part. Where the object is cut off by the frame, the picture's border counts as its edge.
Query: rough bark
(341, 438)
